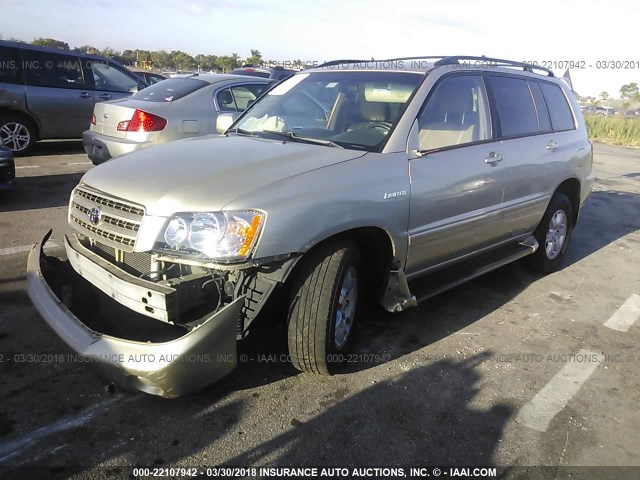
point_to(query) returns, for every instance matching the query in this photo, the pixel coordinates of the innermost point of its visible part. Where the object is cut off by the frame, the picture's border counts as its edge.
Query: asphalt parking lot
(512, 369)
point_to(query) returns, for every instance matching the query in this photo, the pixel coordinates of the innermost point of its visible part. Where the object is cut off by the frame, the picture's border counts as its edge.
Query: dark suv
(50, 93)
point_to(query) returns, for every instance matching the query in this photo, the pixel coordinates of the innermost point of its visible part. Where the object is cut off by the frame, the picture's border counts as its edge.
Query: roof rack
(498, 62)
(332, 63)
(441, 60)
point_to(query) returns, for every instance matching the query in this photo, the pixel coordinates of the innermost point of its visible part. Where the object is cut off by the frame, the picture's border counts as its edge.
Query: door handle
(493, 159)
(104, 96)
(551, 146)
(85, 95)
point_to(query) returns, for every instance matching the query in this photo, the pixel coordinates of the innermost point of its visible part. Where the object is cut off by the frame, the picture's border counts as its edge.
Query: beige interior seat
(370, 112)
(450, 121)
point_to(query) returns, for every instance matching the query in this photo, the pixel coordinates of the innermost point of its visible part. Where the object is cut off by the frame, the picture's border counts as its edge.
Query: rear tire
(323, 308)
(17, 134)
(553, 235)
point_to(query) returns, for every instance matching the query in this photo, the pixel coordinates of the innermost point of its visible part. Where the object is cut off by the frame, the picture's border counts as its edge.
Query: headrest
(374, 111)
(453, 97)
(387, 92)
(225, 98)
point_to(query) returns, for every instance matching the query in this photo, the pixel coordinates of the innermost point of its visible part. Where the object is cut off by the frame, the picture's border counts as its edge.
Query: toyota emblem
(94, 216)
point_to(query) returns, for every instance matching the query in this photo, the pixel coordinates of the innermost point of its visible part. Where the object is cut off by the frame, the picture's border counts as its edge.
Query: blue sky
(550, 30)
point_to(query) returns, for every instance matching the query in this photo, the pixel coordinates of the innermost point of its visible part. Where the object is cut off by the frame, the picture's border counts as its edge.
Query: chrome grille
(119, 222)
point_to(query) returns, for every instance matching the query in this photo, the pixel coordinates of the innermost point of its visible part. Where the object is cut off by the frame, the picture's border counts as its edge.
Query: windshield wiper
(316, 141)
(241, 131)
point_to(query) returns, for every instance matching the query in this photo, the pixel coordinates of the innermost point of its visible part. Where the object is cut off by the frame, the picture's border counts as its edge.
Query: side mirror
(224, 121)
(134, 89)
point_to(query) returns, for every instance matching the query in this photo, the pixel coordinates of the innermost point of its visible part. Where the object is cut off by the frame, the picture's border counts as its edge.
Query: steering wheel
(383, 126)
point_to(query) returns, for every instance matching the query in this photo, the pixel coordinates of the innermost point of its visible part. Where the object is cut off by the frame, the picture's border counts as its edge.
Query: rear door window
(44, 69)
(169, 90)
(561, 116)
(516, 110)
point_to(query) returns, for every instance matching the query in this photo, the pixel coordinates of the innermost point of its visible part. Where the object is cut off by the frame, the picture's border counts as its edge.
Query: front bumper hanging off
(168, 369)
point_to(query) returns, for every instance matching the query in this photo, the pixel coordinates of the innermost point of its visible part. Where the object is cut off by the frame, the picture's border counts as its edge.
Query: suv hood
(206, 173)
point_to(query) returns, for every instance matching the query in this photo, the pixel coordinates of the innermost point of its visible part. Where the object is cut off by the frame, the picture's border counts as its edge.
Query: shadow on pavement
(57, 147)
(44, 191)
(421, 417)
(606, 217)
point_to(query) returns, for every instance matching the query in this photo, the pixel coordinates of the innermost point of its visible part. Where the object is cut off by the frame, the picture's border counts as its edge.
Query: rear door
(532, 162)
(57, 93)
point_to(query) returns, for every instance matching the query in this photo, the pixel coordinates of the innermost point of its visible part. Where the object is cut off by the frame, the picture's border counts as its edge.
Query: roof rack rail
(331, 63)
(499, 62)
(420, 57)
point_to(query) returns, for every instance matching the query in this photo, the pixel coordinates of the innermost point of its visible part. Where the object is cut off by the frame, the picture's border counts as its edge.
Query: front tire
(553, 235)
(323, 308)
(17, 134)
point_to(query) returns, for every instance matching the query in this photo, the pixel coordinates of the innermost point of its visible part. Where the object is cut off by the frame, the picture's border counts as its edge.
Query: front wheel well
(376, 250)
(571, 189)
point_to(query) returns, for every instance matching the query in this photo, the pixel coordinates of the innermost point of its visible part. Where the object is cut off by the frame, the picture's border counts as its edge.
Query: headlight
(222, 236)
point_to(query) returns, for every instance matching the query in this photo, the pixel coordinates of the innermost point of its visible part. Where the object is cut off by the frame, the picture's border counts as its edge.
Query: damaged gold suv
(349, 179)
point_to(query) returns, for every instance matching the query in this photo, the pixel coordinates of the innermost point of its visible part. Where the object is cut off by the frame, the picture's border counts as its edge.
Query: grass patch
(616, 130)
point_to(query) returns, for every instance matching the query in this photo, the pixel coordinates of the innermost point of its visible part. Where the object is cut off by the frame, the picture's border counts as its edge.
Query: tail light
(93, 119)
(142, 122)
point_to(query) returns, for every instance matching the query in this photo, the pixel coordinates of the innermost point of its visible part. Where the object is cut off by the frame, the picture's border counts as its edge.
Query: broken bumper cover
(168, 369)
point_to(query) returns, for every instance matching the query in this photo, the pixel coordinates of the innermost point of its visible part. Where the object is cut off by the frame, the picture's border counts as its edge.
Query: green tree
(206, 62)
(87, 49)
(255, 58)
(629, 91)
(159, 59)
(110, 53)
(181, 60)
(604, 96)
(50, 42)
(228, 62)
(129, 57)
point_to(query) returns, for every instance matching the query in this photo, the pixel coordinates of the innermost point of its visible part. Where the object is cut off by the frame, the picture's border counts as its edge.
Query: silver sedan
(168, 110)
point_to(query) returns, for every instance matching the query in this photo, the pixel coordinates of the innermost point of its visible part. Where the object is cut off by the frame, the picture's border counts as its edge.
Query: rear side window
(239, 97)
(561, 117)
(10, 65)
(544, 123)
(43, 69)
(515, 106)
(169, 90)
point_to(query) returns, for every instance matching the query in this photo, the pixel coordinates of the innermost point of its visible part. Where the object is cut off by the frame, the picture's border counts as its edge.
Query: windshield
(347, 109)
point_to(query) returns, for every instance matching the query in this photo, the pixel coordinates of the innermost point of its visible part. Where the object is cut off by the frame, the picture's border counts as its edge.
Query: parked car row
(48, 93)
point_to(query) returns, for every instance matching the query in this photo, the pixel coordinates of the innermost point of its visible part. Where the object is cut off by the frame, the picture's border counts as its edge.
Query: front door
(457, 184)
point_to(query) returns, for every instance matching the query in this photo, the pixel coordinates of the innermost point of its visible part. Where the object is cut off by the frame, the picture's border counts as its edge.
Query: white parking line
(25, 248)
(554, 396)
(77, 163)
(626, 315)
(15, 447)
(27, 166)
